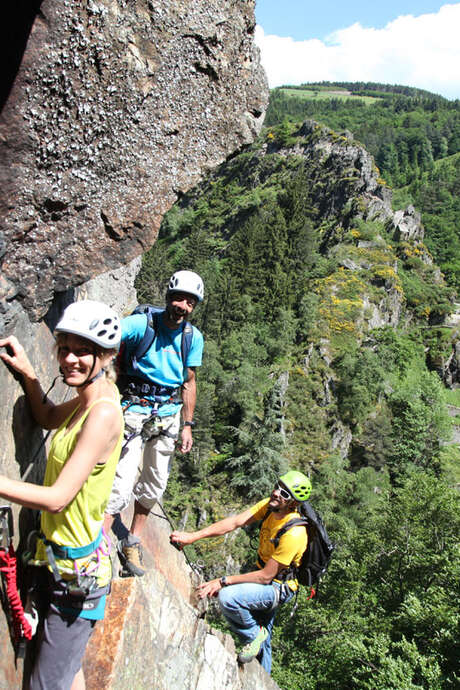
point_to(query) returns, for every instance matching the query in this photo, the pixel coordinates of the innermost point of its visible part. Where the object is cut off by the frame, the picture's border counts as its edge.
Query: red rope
(21, 625)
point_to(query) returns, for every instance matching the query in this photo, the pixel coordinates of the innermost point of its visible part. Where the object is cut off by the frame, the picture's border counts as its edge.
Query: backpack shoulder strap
(268, 512)
(146, 342)
(186, 342)
(289, 525)
(148, 338)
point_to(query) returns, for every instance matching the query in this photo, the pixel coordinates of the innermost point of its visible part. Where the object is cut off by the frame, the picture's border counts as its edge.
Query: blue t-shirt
(162, 363)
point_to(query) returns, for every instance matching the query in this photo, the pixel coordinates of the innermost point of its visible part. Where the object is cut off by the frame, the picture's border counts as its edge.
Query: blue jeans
(248, 606)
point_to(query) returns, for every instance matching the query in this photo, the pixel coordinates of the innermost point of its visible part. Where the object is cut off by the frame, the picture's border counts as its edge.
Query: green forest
(414, 137)
(330, 348)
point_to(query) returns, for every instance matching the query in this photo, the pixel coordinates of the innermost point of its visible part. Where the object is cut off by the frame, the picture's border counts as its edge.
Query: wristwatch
(192, 424)
(223, 581)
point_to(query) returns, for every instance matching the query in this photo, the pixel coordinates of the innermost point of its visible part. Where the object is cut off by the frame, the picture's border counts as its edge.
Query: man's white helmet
(94, 321)
(187, 281)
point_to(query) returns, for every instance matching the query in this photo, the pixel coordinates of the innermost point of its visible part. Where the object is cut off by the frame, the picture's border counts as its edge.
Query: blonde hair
(109, 370)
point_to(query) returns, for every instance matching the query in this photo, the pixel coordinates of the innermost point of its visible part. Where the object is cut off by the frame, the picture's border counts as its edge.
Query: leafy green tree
(361, 380)
(387, 613)
(258, 461)
(420, 420)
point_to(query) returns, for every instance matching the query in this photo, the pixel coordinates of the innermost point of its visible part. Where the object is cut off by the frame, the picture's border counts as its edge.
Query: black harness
(134, 391)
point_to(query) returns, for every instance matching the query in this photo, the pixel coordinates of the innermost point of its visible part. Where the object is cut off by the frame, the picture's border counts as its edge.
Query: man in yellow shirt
(249, 601)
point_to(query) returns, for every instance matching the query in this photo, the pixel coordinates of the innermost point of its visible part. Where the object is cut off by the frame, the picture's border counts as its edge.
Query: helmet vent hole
(101, 333)
(93, 324)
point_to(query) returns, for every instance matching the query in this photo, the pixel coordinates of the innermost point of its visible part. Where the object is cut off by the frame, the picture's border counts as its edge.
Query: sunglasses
(283, 493)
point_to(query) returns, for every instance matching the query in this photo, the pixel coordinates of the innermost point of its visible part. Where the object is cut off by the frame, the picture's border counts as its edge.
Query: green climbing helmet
(298, 484)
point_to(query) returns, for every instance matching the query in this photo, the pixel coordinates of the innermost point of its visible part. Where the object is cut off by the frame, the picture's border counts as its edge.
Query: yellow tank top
(80, 522)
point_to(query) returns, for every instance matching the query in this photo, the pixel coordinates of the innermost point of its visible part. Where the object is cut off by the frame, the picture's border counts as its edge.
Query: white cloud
(421, 51)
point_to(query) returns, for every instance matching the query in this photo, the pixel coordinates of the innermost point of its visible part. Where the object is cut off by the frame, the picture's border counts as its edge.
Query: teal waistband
(94, 613)
(73, 552)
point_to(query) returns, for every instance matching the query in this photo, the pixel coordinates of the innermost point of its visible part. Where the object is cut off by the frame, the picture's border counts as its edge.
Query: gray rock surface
(115, 288)
(408, 225)
(111, 109)
(155, 636)
(117, 108)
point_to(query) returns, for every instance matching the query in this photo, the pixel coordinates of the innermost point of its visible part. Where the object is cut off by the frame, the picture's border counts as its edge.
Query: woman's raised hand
(14, 355)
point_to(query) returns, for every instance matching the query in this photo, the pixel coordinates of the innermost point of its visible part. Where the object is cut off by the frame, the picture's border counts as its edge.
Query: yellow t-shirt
(291, 545)
(80, 522)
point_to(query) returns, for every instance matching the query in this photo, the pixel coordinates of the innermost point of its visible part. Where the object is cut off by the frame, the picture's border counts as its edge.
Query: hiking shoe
(131, 558)
(251, 649)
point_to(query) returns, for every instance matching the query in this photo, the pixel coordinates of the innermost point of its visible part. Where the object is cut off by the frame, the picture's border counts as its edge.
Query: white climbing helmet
(187, 281)
(94, 321)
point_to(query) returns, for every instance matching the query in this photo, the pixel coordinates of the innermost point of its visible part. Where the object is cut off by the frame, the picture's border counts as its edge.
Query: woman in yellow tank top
(79, 474)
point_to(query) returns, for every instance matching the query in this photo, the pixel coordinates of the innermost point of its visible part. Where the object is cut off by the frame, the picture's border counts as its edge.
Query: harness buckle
(82, 586)
(6, 526)
(152, 427)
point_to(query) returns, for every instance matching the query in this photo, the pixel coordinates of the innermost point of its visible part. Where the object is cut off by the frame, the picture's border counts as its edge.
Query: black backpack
(131, 358)
(316, 557)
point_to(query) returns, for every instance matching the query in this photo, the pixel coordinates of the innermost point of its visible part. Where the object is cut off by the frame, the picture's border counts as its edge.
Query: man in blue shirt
(153, 408)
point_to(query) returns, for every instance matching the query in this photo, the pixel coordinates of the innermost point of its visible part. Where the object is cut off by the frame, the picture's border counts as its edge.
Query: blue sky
(410, 42)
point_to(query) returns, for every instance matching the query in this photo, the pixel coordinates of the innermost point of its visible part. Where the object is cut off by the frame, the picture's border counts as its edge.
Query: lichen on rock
(117, 109)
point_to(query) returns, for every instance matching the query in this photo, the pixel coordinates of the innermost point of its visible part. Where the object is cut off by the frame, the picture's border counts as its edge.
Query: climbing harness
(84, 583)
(21, 627)
(137, 388)
(150, 428)
(133, 393)
(80, 583)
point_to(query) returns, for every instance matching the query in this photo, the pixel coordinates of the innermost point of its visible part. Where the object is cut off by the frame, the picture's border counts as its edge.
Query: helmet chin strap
(88, 381)
(94, 378)
(91, 378)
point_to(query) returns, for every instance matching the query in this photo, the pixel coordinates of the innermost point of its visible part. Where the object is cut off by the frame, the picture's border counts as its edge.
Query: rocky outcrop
(408, 225)
(117, 108)
(350, 172)
(110, 111)
(155, 636)
(113, 110)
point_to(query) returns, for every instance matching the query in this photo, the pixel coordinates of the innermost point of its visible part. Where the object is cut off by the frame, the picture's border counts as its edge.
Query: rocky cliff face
(110, 111)
(113, 110)
(117, 108)
(155, 636)
(355, 263)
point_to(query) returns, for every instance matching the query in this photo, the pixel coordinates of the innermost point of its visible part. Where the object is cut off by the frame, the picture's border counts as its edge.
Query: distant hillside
(326, 349)
(326, 93)
(409, 132)
(362, 87)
